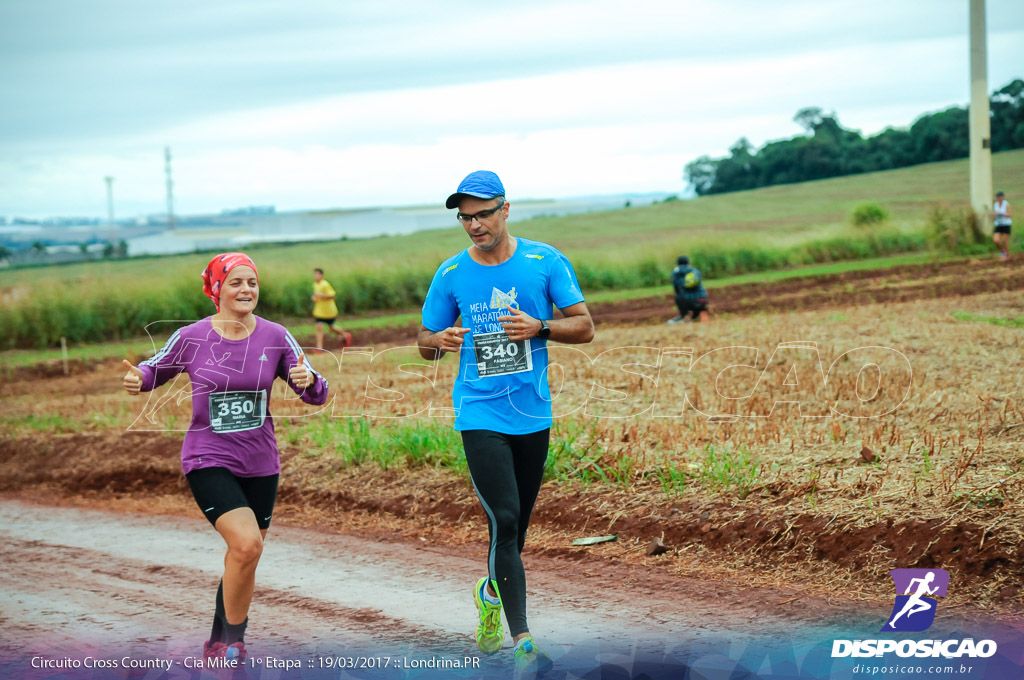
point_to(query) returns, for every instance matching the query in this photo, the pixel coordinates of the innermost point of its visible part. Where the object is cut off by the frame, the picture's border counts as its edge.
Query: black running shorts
(217, 490)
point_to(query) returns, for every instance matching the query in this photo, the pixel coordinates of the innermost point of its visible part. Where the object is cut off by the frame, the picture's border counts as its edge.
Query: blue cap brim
(456, 198)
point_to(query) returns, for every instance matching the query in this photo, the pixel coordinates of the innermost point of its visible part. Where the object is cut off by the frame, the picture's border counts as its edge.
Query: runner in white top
(1001, 220)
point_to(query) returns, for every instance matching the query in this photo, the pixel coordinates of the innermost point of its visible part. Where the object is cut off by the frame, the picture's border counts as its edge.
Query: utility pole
(980, 126)
(170, 188)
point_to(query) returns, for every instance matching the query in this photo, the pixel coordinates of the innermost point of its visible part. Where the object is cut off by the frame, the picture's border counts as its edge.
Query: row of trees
(830, 150)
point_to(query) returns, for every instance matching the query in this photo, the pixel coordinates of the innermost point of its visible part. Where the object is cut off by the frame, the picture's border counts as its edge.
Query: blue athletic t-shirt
(502, 385)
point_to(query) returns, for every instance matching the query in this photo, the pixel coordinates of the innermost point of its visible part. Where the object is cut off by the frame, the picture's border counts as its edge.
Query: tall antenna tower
(110, 207)
(170, 188)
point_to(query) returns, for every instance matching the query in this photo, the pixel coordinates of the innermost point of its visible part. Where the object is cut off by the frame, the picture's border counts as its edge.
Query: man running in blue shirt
(505, 289)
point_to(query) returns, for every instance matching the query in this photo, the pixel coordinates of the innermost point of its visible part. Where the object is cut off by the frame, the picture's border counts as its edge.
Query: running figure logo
(501, 300)
(914, 610)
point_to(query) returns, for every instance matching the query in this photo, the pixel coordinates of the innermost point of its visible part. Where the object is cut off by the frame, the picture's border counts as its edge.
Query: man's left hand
(520, 325)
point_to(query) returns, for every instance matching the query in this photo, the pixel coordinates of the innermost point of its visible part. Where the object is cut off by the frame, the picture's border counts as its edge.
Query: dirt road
(82, 583)
(150, 577)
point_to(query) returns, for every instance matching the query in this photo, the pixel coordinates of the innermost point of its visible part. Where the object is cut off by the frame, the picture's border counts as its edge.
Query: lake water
(235, 232)
(311, 226)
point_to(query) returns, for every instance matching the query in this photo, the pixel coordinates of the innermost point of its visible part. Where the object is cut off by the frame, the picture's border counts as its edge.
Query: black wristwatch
(545, 330)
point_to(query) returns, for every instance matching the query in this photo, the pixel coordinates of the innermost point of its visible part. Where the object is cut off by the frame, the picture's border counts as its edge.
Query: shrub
(957, 230)
(867, 214)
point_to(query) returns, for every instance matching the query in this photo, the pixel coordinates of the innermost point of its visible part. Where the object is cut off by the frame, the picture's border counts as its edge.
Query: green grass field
(728, 234)
(139, 347)
(791, 214)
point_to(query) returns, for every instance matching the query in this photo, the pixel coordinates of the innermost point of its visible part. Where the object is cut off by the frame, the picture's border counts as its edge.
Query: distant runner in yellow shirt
(325, 310)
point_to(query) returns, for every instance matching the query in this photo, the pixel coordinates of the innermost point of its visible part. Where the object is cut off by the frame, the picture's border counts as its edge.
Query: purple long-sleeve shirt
(231, 383)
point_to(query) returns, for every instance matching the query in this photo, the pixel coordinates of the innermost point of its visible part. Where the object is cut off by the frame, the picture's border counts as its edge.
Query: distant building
(250, 210)
(70, 221)
(63, 250)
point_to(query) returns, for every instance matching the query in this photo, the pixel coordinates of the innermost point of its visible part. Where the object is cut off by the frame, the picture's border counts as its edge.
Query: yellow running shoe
(490, 634)
(530, 661)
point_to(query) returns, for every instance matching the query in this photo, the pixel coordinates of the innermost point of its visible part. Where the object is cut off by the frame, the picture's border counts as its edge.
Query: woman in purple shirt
(229, 455)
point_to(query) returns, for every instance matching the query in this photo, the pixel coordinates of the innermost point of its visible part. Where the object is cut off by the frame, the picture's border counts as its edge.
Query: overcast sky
(339, 103)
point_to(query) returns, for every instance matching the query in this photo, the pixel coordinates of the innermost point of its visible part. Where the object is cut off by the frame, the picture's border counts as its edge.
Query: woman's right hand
(132, 379)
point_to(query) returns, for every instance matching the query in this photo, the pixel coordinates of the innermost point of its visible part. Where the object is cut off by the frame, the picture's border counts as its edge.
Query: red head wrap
(217, 271)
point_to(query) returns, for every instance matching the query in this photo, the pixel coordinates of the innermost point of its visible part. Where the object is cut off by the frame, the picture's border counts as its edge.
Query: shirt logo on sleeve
(534, 256)
(445, 272)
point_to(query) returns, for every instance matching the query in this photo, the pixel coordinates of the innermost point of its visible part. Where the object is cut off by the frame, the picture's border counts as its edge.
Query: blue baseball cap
(479, 184)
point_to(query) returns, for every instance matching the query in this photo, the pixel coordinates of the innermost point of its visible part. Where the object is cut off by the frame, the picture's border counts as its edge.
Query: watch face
(545, 330)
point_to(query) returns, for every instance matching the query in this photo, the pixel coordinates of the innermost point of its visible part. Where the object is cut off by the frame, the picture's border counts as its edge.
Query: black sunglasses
(480, 216)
